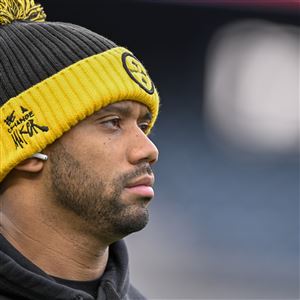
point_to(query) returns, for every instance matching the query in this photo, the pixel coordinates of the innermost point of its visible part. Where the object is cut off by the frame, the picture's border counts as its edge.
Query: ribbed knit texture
(53, 75)
(31, 52)
(40, 114)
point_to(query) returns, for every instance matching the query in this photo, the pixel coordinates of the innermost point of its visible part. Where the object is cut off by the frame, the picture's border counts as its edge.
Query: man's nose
(142, 149)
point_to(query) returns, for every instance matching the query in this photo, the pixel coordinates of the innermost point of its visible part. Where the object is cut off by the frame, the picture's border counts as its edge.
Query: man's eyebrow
(147, 116)
(124, 111)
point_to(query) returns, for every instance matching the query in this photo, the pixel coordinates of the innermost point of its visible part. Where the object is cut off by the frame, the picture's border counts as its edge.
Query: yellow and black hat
(53, 75)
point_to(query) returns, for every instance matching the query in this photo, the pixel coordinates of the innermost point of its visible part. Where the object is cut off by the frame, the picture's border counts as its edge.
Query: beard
(95, 200)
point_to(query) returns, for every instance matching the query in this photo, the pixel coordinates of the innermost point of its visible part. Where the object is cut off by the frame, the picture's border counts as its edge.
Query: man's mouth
(142, 187)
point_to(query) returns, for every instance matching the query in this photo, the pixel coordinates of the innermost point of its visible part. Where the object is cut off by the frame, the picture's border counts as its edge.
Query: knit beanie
(53, 75)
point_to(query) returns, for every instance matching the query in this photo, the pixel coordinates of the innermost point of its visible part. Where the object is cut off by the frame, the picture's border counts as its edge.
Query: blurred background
(225, 220)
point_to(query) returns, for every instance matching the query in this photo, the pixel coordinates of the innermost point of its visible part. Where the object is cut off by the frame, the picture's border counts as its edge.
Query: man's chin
(133, 222)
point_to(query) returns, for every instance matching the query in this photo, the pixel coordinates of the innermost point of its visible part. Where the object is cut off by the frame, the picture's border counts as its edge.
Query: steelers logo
(137, 72)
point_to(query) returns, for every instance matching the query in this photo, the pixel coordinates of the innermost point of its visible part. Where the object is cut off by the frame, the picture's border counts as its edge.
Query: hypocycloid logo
(137, 72)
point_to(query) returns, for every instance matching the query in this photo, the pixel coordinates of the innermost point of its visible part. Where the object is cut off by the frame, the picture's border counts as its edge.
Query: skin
(64, 213)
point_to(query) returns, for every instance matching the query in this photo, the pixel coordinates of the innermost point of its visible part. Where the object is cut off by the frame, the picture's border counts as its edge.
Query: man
(75, 170)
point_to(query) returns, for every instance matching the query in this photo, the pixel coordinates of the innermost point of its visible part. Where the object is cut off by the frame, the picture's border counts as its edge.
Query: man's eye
(144, 126)
(113, 123)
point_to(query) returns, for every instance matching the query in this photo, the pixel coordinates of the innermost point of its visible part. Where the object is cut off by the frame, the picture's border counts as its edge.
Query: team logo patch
(22, 126)
(137, 72)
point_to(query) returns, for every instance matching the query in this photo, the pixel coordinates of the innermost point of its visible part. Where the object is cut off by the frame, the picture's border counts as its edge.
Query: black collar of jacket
(16, 280)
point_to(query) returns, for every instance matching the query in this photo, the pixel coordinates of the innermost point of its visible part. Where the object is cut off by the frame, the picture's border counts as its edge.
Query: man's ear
(31, 165)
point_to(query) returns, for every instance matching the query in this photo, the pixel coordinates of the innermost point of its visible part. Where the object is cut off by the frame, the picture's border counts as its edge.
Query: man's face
(101, 169)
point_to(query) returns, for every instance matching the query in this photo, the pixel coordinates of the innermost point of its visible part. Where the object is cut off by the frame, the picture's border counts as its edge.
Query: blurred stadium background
(225, 219)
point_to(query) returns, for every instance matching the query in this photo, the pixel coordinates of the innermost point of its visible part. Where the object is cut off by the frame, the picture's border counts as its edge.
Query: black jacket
(20, 283)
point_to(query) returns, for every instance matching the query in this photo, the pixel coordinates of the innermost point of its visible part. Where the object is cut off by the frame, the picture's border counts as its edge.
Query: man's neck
(55, 247)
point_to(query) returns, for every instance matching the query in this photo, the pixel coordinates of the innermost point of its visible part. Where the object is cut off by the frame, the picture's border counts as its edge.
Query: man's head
(86, 103)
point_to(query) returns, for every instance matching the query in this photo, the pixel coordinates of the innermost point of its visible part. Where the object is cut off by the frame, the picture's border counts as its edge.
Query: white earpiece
(40, 156)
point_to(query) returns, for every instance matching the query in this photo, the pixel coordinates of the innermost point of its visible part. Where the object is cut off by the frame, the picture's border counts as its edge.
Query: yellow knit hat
(53, 75)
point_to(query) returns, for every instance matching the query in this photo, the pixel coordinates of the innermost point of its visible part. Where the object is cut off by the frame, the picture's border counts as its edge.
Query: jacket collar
(21, 277)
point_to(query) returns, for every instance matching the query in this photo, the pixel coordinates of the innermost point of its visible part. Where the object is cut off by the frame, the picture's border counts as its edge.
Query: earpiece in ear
(40, 156)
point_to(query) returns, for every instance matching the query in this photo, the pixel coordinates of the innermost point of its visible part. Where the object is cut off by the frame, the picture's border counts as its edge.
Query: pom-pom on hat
(12, 10)
(53, 75)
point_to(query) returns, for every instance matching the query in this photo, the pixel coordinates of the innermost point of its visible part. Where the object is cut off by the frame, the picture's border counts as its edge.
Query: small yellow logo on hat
(137, 72)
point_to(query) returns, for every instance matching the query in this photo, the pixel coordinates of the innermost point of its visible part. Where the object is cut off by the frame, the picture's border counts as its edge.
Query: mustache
(139, 171)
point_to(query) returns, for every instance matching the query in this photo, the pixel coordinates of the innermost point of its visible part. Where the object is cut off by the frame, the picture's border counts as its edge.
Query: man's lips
(142, 187)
